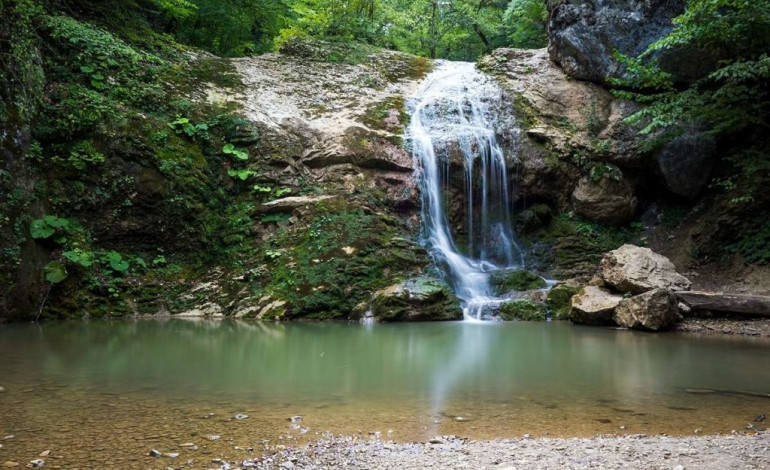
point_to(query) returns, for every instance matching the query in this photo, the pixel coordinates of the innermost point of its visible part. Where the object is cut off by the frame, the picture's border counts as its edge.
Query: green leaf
(55, 272)
(83, 258)
(54, 221)
(39, 229)
(117, 263)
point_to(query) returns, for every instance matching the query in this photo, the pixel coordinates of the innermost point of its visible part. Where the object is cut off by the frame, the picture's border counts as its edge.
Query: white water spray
(451, 118)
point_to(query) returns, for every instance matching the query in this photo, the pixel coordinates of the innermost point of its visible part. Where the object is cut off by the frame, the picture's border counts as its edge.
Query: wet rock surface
(417, 299)
(608, 200)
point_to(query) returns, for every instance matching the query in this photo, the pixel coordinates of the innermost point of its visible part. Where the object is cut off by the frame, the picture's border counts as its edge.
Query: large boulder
(420, 299)
(608, 200)
(637, 270)
(594, 306)
(686, 162)
(584, 34)
(654, 310)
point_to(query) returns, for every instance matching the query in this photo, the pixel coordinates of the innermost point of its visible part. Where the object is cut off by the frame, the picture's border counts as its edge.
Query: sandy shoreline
(630, 452)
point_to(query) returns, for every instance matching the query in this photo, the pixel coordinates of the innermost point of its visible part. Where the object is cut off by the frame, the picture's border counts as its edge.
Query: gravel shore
(631, 452)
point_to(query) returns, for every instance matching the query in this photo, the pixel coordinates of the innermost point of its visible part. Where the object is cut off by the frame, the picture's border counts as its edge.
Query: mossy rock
(523, 310)
(515, 280)
(420, 299)
(558, 301)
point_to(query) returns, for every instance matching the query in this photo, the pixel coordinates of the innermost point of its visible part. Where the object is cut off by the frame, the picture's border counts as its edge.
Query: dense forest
(116, 171)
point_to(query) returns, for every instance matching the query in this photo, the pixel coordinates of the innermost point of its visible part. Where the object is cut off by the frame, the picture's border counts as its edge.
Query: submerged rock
(419, 299)
(523, 310)
(515, 280)
(637, 270)
(654, 310)
(594, 306)
(608, 200)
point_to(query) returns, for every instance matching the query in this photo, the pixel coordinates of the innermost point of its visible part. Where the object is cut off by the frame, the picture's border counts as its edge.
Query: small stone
(187, 444)
(154, 453)
(679, 467)
(460, 418)
(37, 463)
(172, 455)
(10, 464)
(241, 416)
(295, 419)
(287, 465)
(217, 461)
(527, 436)
(45, 453)
(760, 418)
(9, 437)
(213, 437)
(436, 440)
(2, 389)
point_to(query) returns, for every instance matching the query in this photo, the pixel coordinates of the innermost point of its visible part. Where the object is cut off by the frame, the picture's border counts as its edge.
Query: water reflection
(434, 364)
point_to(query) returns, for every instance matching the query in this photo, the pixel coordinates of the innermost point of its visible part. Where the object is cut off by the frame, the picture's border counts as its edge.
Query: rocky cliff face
(584, 35)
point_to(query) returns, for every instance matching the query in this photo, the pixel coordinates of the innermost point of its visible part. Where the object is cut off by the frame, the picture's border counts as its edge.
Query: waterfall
(452, 128)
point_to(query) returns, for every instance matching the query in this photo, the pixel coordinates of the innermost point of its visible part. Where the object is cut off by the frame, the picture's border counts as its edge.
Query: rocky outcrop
(654, 310)
(637, 270)
(584, 35)
(421, 299)
(608, 200)
(567, 126)
(685, 163)
(594, 306)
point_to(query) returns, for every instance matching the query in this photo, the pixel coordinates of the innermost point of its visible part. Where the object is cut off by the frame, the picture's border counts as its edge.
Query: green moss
(420, 299)
(523, 310)
(515, 280)
(558, 301)
(389, 115)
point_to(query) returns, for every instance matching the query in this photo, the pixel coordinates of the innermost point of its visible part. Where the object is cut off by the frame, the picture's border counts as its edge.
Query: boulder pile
(634, 288)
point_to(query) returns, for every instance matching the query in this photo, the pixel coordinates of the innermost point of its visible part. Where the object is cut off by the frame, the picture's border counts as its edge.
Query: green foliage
(55, 272)
(229, 149)
(754, 245)
(242, 174)
(116, 262)
(80, 257)
(525, 310)
(526, 22)
(44, 228)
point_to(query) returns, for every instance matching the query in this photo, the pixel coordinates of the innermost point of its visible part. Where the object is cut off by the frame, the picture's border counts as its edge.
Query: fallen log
(721, 302)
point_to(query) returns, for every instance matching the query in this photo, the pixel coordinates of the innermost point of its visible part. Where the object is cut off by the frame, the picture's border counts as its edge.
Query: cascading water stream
(452, 118)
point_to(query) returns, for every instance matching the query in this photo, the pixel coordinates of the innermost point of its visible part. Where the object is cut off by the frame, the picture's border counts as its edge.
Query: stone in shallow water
(594, 306)
(654, 310)
(420, 299)
(154, 453)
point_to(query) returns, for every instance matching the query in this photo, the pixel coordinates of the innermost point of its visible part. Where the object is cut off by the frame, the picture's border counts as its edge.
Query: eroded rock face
(608, 200)
(421, 299)
(637, 270)
(654, 310)
(594, 306)
(566, 125)
(584, 34)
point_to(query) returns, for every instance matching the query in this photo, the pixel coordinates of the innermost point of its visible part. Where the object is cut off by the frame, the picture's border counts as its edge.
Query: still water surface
(99, 394)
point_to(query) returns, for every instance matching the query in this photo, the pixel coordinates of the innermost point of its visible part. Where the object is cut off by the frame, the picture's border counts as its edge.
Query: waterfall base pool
(101, 395)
